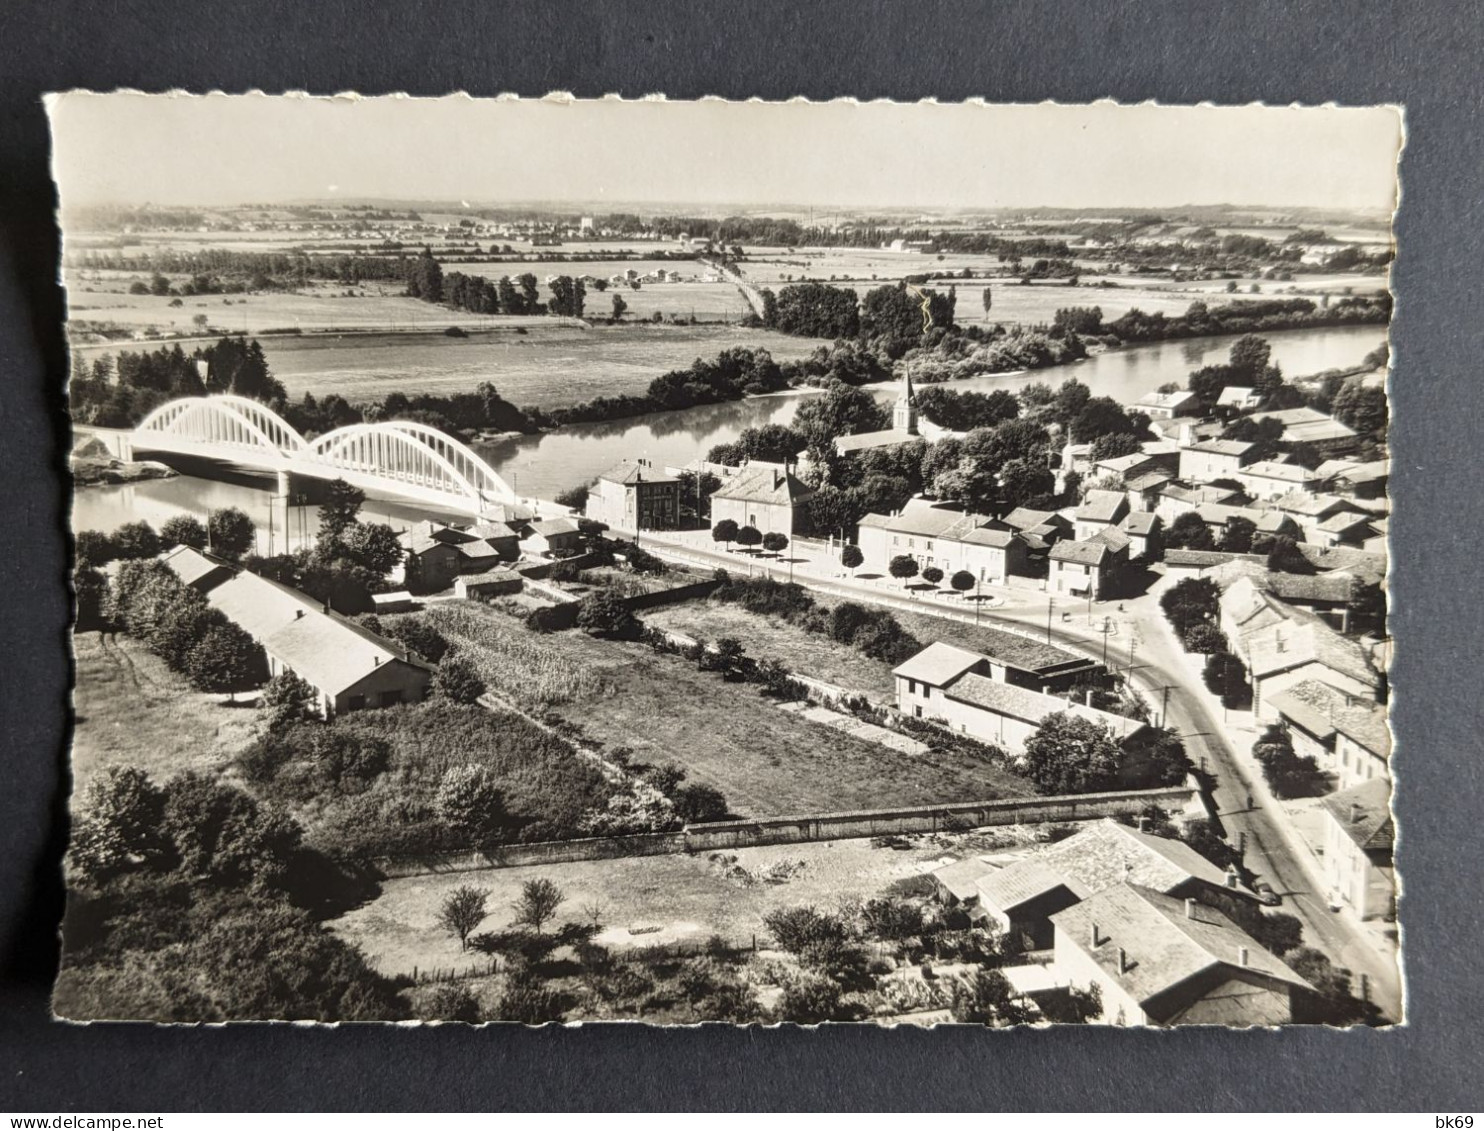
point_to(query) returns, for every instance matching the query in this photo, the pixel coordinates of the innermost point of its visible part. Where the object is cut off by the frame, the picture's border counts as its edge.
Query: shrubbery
(874, 631)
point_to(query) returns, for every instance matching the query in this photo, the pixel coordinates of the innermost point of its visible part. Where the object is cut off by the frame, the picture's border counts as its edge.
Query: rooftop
(864, 440)
(195, 569)
(1221, 447)
(766, 483)
(938, 664)
(1291, 644)
(1235, 395)
(1141, 523)
(1023, 518)
(1029, 706)
(1274, 469)
(1102, 506)
(1105, 853)
(1152, 943)
(960, 877)
(1017, 884)
(1363, 812)
(1080, 553)
(636, 471)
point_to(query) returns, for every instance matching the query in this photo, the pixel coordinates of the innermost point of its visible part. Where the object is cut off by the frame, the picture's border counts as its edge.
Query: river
(546, 464)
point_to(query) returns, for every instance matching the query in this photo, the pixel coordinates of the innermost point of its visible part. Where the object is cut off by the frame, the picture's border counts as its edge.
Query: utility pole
(1050, 604)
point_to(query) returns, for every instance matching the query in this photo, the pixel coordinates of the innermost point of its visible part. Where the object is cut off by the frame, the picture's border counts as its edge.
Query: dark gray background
(1425, 55)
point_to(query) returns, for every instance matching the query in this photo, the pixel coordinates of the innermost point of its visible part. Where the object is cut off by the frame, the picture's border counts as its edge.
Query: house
(1143, 489)
(1039, 530)
(1352, 480)
(1308, 426)
(1008, 658)
(1107, 852)
(1342, 529)
(766, 496)
(1327, 595)
(1310, 511)
(1347, 737)
(477, 555)
(1238, 399)
(1301, 648)
(904, 427)
(1206, 460)
(495, 583)
(943, 536)
(1272, 479)
(503, 535)
(399, 601)
(1099, 509)
(1358, 838)
(1144, 530)
(1159, 960)
(1190, 563)
(957, 882)
(1020, 900)
(1167, 406)
(197, 570)
(552, 537)
(635, 496)
(986, 709)
(349, 667)
(1085, 568)
(1123, 468)
(430, 556)
(1245, 606)
(1175, 499)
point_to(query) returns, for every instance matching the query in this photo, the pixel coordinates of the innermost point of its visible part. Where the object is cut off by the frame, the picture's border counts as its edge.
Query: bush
(603, 613)
(932, 575)
(1204, 639)
(458, 680)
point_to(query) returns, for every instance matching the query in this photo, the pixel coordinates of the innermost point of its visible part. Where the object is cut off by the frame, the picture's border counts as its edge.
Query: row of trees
(119, 393)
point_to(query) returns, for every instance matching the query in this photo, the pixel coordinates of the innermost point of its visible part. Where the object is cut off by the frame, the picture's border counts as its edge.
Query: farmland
(648, 900)
(131, 710)
(767, 762)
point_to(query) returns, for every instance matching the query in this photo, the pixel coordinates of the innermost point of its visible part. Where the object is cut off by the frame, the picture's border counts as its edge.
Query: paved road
(1159, 664)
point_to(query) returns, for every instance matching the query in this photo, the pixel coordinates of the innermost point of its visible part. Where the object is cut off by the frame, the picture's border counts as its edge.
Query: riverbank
(94, 471)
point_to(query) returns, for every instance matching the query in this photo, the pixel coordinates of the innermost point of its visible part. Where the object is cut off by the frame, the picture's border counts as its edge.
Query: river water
(546, 464)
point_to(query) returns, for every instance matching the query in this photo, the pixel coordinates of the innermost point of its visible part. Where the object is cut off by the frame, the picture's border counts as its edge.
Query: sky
(226, 149)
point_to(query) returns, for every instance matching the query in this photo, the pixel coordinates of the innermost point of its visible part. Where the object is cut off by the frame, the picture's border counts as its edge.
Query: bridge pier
(284, 485)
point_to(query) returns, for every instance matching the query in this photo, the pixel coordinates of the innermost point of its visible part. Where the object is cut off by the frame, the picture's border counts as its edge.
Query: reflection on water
(548, 464)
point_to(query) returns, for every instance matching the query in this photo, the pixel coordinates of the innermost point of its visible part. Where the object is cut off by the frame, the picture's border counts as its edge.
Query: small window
(917, 711)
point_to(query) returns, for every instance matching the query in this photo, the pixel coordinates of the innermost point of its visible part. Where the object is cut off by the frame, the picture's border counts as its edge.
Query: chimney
(376, 661)
(1128, 869)
(1096, 939)
(1231, 875)
(1243, 954)
(1189, 908)
(1354, 812)
(298, 614)
(1122, 961)
(1143, 828)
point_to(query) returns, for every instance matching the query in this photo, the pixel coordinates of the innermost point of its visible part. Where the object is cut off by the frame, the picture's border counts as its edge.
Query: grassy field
(807, 653)
(765, 761)
(549, 365)
(688, 898)
(131, 710)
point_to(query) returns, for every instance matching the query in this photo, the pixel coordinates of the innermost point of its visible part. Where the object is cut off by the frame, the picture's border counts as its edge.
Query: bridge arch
(222, 419)
(404, 451)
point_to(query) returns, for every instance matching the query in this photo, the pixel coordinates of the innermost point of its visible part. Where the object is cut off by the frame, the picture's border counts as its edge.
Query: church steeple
(904, 412)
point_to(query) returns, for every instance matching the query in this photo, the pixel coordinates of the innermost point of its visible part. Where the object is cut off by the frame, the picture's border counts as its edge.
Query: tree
(962, 581)
(986, 300)
(135, 540)
(903, 567)
(462, 910)
(1284, 556)
(538, 903)
(932, 575)
(339, 510)
(852, 558)
(699, 803)
(230, 533)
(470, 802)
(1191, 601)
(1071, 754)
(288, 700)
(120, 826)
(774, 542)
(94, 549)
(603, 613)
(724, 531)
(452, 1002)
(1204, 639)
(222, 834)
(183, 530)
(1238, 535)
(373, 546)
(458, 680)
(986, 998)
(619, 307)
(1224, 675)
(1112, 445)
(1189, 532)
(225, 661)
(1277, 931)
(749, 536)
(90, 591)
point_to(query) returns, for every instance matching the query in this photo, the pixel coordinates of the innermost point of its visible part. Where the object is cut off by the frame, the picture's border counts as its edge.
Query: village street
(1274, 850)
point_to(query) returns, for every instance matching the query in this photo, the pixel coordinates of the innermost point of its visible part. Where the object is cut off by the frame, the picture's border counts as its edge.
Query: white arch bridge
(398, 457)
